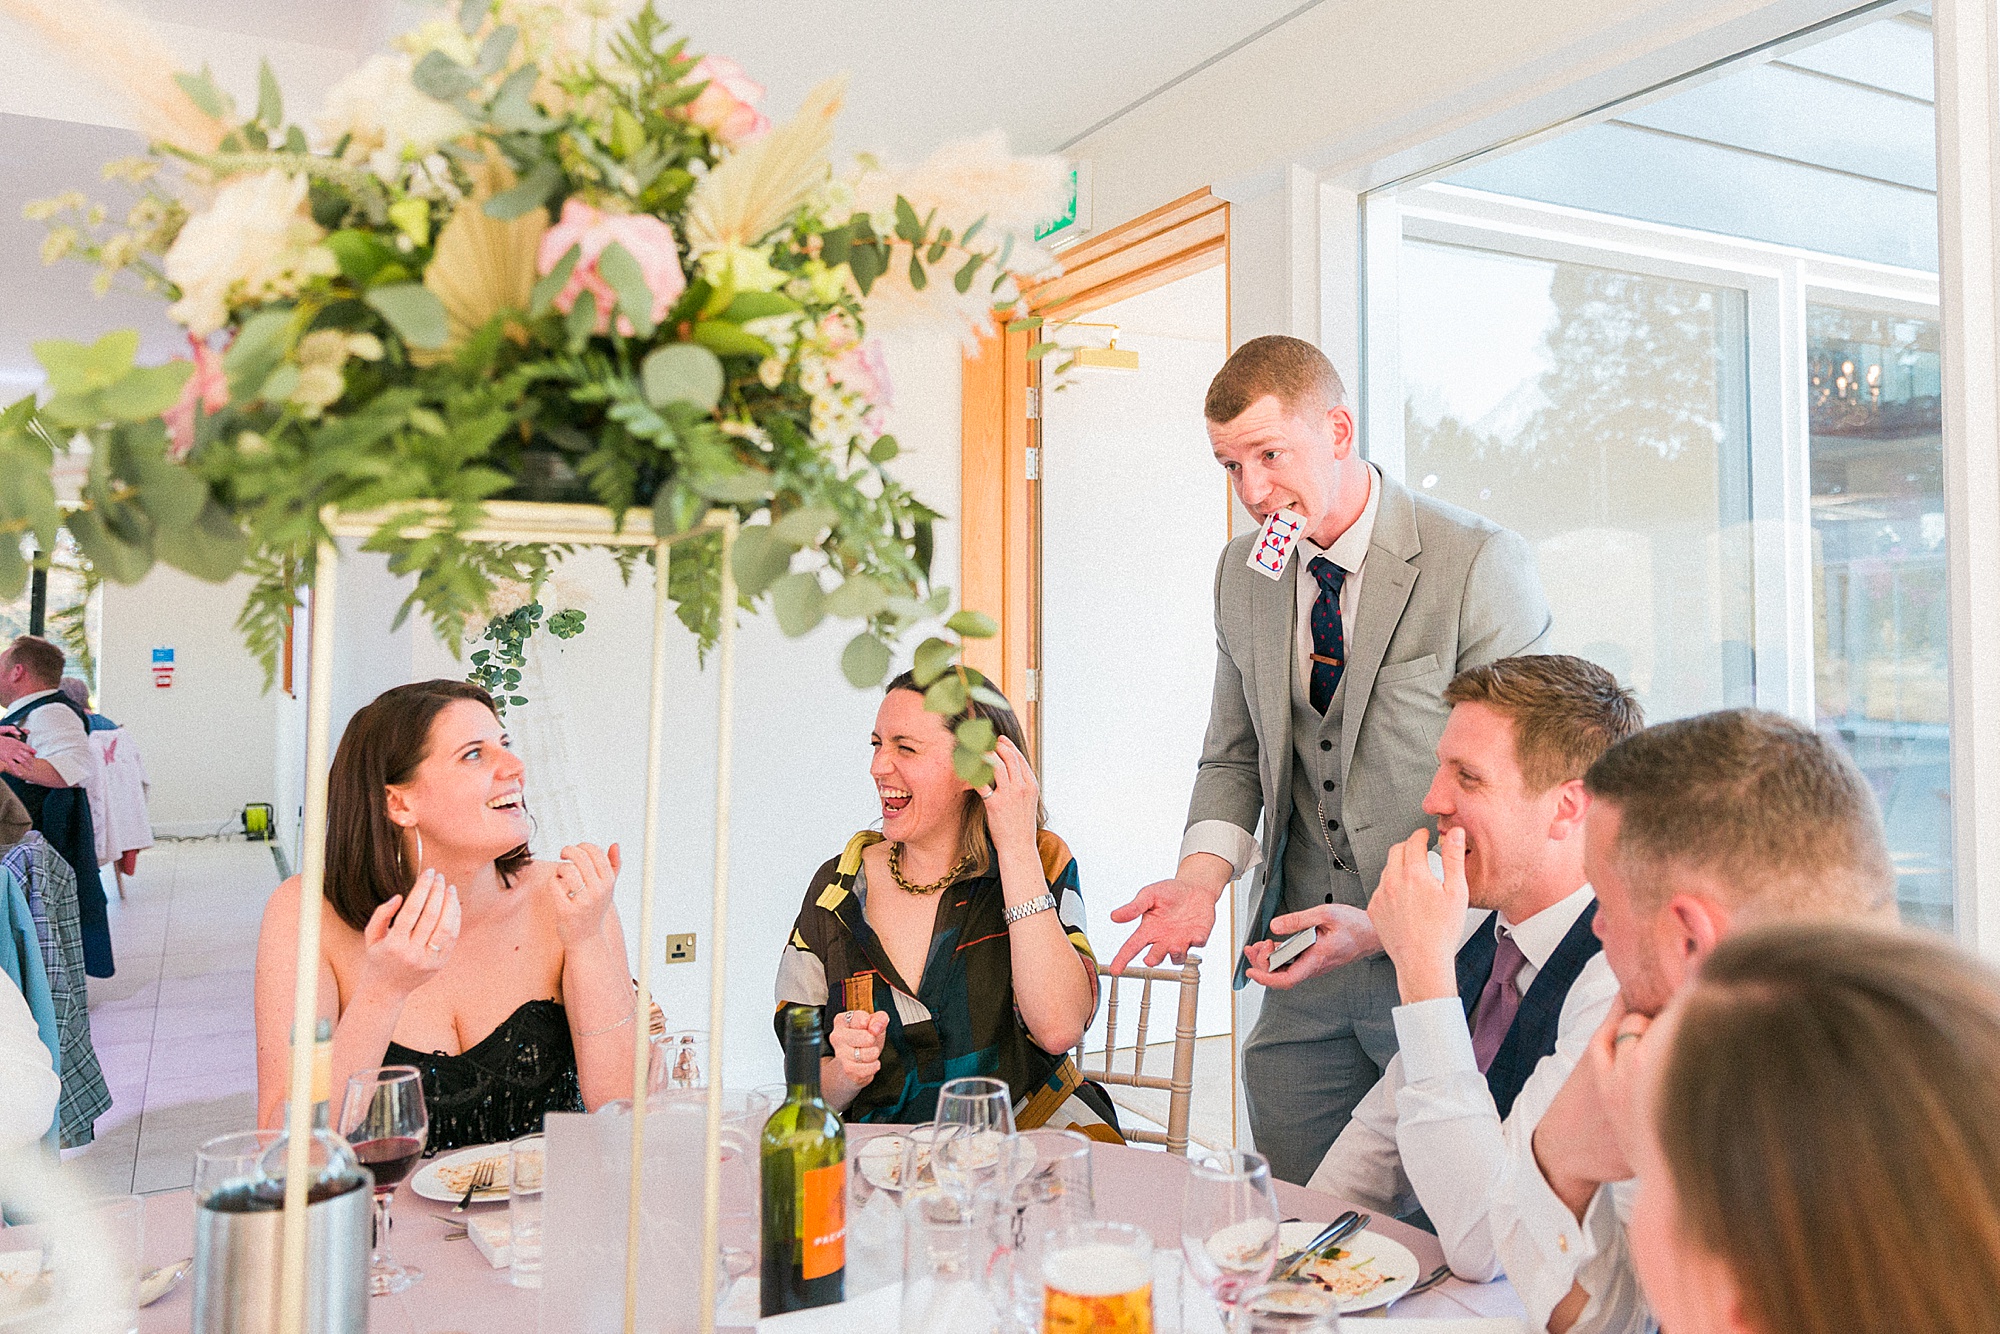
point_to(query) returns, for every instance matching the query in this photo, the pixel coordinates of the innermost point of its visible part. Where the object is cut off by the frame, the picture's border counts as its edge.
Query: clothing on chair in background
(60, 733)
(51, 890)
(21, 961)
(125, 826)
(14, 822)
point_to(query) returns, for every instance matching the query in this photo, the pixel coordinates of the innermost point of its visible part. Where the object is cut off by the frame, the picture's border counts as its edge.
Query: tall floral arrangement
(533, 252)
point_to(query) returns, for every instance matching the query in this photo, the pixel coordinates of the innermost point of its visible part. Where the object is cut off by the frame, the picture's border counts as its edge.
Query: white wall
(209, 741)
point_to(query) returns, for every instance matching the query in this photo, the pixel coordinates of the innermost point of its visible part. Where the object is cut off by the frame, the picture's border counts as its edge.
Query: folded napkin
(490, 1235)
(870, 1313)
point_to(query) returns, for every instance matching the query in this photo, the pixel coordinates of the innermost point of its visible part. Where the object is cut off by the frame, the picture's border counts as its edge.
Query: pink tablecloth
(461, 1292)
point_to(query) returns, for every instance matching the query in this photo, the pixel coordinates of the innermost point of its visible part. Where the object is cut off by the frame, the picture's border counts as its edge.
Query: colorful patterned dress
(959, 1019)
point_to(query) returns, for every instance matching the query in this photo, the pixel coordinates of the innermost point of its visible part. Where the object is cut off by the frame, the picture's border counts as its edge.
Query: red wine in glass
(389, 1158)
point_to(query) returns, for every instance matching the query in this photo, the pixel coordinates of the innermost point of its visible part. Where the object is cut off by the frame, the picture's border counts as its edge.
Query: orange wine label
(825, 1217)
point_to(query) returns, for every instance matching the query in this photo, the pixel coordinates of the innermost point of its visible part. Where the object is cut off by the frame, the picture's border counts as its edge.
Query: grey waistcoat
(1310, 874)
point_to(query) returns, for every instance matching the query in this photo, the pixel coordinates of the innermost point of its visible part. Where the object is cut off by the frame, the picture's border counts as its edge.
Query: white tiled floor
(174, 1029)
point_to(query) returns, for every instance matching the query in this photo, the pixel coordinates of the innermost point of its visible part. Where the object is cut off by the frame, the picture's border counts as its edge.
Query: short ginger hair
(1292, 369)
(1565, 712)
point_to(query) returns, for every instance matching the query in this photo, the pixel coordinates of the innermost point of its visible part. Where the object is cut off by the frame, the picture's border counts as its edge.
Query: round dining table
(460, 1293)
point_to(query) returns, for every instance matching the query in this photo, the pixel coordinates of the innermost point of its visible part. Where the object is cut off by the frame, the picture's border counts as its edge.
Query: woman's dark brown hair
(1828, 1116)
(973, 839)
(383, 745)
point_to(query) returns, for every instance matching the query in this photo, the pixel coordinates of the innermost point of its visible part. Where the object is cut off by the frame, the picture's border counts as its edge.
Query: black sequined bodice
(498, 1088)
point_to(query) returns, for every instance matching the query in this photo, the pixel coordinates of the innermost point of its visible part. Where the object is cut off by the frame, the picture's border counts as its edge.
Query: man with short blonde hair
(1321, 726)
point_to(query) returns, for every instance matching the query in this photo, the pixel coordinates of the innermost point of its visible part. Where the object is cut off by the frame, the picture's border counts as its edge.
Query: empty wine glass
(383, 1117)
(978, 1102)
(1229, 1226)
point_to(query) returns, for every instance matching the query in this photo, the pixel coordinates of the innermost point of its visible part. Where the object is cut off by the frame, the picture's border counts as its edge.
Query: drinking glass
(1097, 1278)
(947, 1250)
(874, 1210)
(744, 1112)
(678, 1060)
(920, 1152)
(525, 1157)
(383, 1117)
(1289, 1308)
(978, 1102)
(1229, 1225)
(231, 1165)
(1040, 1183)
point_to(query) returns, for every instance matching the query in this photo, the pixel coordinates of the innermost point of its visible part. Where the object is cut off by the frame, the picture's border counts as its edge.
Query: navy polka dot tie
(1329, 653)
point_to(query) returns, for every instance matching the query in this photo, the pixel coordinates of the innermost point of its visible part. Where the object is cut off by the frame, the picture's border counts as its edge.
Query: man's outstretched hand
(1175, 915)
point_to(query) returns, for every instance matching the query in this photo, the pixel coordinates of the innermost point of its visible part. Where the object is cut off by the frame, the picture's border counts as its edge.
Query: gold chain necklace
(896, 872)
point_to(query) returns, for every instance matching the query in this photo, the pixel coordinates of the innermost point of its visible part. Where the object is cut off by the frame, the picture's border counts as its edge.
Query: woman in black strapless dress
(443, 943)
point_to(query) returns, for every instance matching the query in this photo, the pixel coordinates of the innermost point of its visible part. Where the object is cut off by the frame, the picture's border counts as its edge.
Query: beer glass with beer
(1097, 1278)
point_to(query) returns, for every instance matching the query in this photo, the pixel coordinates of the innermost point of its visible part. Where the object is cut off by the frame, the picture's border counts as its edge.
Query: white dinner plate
(1367, 1250)
(429, 1183)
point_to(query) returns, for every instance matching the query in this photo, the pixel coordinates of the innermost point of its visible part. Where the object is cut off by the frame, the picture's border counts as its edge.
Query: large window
(1601, 415)
(1690, 353)
(1879, 578)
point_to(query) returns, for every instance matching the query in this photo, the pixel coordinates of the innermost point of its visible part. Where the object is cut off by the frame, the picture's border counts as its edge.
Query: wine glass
(383, 1117)
(978, 1102)
(1229, 1226)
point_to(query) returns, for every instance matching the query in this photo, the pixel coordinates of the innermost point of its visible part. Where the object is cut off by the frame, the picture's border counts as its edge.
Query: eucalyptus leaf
(414, 312)
(962, 280)
(682, 373)
(582, 318)
(865, 661)
(933, 657)
(513, 108)
(758, 305)
(542, 181)
(13, 568)
(144, 393)
(258, 349)
(946, 697)
(857, 598)
(201, 90)
(988, 695)
(550, 285)
(635, 299)
(117, 560)
(493, 52)
(213, 547)
(472, 13)
(758, 561)
(973, 624)
(438, 75)
(799, 602)
(975, 734)
(971, 767)
(884, 449)
(734, 488)
(907, 226)
(802, 527)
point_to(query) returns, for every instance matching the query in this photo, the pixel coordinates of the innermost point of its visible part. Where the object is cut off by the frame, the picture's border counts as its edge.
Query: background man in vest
(45, 756)
(1327, 704)
(1493, 1021)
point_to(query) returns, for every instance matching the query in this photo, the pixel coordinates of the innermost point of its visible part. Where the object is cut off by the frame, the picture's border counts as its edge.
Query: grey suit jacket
(1443, 590)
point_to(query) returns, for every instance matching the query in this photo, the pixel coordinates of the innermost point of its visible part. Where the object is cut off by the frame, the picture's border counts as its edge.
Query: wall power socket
(680, 949)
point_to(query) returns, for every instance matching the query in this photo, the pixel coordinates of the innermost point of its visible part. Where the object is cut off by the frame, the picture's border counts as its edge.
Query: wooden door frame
(999, 503)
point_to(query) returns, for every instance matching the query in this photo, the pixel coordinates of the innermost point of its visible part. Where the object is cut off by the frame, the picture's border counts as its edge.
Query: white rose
(254, 243)
(388, 122)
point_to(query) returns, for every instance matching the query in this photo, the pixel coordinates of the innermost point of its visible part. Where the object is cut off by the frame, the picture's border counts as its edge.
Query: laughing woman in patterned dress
(964, 923)
(443, 943)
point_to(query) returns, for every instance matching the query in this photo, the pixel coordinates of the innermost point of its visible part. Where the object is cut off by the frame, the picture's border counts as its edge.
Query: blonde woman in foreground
(1814, 1128)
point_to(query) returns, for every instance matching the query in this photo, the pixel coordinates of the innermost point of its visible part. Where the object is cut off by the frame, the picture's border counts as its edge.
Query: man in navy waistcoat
(1501, 978)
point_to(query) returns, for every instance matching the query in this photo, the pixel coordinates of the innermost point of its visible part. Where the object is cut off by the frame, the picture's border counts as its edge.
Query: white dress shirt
(1429, 1133)
(1349, 551)
(28, 1084)
(1545, 1251)
(58, 736)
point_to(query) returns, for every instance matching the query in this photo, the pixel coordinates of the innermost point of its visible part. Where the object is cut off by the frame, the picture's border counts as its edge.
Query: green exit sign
(1074, 218)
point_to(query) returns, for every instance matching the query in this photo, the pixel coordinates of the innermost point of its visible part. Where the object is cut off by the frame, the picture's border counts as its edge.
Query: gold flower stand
(525, 522)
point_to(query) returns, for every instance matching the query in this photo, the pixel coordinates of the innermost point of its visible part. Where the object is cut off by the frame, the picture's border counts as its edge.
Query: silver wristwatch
(1020, 912)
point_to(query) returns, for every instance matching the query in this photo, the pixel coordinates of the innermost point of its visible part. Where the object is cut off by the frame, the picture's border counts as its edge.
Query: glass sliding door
(1879, 604)
(1601, 414)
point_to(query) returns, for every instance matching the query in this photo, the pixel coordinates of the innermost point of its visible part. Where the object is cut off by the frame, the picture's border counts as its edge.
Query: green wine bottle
(804, 1183)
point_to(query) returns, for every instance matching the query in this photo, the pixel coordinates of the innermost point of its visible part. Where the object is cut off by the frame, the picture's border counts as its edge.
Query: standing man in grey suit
(1327, 711)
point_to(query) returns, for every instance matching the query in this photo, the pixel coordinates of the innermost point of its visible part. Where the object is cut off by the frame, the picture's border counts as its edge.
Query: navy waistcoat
(1533, 1034)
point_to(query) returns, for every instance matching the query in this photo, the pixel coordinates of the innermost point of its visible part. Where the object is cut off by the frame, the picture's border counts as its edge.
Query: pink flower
(643, 236)
(861, 369)
(725, 108)
(208, 386)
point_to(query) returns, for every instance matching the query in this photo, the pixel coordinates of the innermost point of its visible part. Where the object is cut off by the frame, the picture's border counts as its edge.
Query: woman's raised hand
(857, 1044)
(411, 936)
(582, 884)
(1012, 799)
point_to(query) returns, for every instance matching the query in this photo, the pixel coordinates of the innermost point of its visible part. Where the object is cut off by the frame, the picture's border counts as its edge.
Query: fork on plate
(482, 1179)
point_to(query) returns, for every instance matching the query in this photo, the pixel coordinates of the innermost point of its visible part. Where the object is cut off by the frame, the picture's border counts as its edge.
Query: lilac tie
(1498, 1002)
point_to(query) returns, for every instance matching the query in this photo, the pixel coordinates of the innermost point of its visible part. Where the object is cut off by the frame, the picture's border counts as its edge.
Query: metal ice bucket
(238, 1258)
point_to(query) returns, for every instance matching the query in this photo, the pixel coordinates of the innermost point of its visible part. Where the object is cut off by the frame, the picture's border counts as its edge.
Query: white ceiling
(1045, 71)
